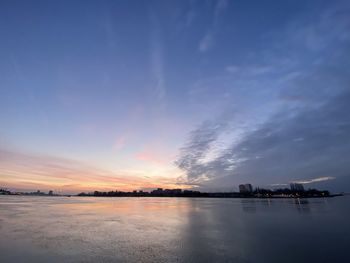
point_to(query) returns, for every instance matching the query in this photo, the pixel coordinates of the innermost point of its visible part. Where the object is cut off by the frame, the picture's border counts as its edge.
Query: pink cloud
(156, 156)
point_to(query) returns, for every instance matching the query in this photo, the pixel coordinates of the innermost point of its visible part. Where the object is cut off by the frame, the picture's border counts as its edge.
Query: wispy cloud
(251, 70)
(157, 58)
(208, 39)
(331, 26)
(206, 42)
(314, 180)
(196, 149)
(108, 26)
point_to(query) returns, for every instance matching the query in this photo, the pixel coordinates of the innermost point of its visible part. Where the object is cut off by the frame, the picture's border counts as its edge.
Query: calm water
(62, 229)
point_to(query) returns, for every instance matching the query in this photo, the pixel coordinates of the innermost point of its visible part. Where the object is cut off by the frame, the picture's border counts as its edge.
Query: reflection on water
(302, 205)
(59, 229)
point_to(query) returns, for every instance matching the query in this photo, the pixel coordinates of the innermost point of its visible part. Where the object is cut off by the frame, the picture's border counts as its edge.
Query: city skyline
(198, 95)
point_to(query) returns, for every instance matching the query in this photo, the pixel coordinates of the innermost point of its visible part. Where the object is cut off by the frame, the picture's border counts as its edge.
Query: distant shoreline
(217, 197)
(258, 193)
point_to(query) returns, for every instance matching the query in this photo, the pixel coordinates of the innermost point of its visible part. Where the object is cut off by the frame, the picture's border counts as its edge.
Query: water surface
(87, 229)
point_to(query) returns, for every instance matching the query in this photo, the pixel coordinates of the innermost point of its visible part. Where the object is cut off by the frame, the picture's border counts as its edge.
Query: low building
(159, 191)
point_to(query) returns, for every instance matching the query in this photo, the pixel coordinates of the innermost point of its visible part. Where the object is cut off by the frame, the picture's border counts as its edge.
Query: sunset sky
(105, 95)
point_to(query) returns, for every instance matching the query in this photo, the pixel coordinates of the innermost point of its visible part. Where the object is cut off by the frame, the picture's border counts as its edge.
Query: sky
(106, 95)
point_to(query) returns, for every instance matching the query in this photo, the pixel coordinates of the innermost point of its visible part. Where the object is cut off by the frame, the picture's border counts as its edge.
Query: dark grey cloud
(312, 143)
(198, 145)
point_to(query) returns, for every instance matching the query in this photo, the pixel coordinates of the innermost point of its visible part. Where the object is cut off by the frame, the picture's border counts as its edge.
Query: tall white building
(296, 187)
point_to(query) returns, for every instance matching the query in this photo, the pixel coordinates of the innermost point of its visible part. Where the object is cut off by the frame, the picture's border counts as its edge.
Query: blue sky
(204, 94)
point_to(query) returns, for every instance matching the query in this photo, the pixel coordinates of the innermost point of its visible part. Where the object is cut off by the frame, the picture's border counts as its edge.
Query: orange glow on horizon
(23, 171)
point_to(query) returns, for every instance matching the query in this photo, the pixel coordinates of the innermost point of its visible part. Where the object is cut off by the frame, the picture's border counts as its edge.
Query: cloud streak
(157, 58)
(208, 39)
(314, 180)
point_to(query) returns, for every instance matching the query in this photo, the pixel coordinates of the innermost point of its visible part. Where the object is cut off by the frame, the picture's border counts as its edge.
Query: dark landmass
(4, 191)
(257, 193)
